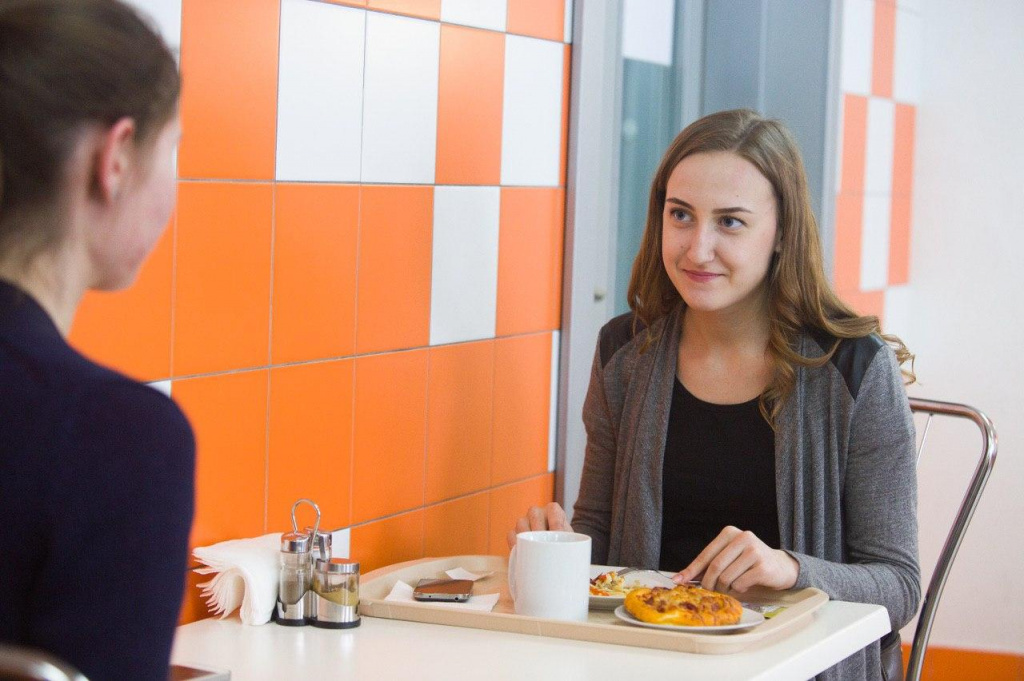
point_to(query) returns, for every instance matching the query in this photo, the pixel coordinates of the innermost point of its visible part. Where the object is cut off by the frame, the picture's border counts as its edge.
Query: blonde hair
(800, 297)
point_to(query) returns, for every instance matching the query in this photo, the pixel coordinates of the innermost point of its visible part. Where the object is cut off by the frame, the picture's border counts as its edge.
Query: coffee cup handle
(512, 573)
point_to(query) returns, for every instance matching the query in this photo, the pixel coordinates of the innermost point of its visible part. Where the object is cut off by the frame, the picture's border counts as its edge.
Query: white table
(392, 649)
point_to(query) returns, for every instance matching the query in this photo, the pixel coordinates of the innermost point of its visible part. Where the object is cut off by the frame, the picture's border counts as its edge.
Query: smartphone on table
(450, 590)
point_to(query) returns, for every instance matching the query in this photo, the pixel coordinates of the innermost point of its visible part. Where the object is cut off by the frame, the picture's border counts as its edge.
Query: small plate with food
(608, 587)
(686, 608)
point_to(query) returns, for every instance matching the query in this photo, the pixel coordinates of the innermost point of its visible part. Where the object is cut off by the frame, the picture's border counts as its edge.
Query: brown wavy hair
(800, 297)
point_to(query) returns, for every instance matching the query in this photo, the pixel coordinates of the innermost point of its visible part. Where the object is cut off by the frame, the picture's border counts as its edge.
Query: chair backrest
(963, 518)
(28, 664)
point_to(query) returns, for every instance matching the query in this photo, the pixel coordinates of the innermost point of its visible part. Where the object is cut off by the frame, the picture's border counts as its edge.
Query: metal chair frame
(28, 664)
(962, 520)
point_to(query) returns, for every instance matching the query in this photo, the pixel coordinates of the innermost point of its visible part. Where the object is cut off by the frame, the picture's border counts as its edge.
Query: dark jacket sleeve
(112, 582)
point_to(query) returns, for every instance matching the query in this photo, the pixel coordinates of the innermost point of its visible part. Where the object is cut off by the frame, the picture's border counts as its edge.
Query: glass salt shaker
(336, 593)
(295, 574)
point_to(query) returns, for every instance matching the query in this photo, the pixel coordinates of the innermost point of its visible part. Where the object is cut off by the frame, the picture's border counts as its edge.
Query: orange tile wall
(292, 319)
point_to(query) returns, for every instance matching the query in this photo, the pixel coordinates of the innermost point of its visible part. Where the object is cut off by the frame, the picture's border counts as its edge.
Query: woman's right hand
(551, 516)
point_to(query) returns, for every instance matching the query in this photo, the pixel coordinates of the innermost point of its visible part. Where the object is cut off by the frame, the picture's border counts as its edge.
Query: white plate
(647, 578)
(748, 619)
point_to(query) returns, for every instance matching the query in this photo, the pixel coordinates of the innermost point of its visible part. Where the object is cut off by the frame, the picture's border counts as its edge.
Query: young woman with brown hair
(744, 426)
(96, 470)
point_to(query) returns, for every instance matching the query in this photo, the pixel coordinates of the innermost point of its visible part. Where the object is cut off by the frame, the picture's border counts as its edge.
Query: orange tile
(314, 306)
(459, 418)
(537, 18)
(193, 607)
(389, 451)
(903, 151)
(952, 664)
(427, 9)
(566, 80)
(310, 442)
(509, 503)
(865, 302)
(848, 236)
(457, 527)
(229, 89)
(899, 241)
(222, 283)
(395, 247)
(522, 395)
(855, 129)
(130, 330)
(229, 415)
(469, 106)
(884, 45)
(388, 541)
(530, 260)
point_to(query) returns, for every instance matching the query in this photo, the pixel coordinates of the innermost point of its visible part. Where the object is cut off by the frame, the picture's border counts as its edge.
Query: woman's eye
(731, 223)
(678, 214)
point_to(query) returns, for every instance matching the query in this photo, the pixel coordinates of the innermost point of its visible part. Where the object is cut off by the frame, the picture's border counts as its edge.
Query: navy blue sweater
(96, 501)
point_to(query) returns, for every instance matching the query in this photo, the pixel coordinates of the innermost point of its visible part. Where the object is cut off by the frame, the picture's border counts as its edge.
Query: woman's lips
(701, 277)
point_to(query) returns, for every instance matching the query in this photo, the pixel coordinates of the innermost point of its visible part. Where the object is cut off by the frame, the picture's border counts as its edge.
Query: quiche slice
(684, 606)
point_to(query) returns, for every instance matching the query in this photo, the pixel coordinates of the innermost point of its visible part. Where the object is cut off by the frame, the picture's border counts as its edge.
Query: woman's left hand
(738, 560)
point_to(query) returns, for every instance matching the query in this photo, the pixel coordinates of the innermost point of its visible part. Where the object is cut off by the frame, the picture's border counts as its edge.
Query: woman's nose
(702, 247)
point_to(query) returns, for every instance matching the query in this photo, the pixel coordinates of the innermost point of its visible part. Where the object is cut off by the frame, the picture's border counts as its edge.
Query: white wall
(962, 313)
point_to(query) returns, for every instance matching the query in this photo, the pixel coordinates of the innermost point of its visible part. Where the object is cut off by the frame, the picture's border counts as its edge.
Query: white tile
(531, 134)
(874, 250)
(400, 99)
(320, 92)
(881, 131)
(341, 543)
(912, 5)
(553, 411)
(166, 15)
(899, 309)
(568, 20)
(490, 14)
(647, 28)
(907, 64)
(464, 274)
(857, 46)
(161, 386)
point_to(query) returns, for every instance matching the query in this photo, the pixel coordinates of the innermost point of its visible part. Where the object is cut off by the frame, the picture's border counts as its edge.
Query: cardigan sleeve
(593, 509)
(879, 502)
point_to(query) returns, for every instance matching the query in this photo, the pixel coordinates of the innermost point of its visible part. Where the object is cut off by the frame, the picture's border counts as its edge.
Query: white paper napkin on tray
(402, 593)
(245, 574)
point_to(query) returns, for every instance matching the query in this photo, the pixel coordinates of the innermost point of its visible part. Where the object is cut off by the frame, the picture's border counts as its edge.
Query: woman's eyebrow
(719, 211)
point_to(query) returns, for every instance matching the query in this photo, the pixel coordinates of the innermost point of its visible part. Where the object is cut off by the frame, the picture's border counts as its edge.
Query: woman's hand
(738, 560)
(547, 517)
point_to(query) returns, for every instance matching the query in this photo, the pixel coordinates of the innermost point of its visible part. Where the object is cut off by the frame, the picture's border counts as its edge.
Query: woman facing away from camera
(744, 426)
(96, 470)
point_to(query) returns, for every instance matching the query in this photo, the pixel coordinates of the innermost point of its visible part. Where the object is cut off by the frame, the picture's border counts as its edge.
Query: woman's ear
(113, 162)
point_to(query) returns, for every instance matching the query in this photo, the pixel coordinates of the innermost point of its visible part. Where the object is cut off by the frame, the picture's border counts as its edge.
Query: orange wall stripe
(395, 249)
(469, 107)
(314, 304)
(953, 664)
(222, 280)
(537, 18)
(510, 502)
(855, 140)
(884, 46)
(229, 91)
(426, 9)
(849, 234)
(902, 192)
(522, 395)
(388, 541)
(229, 415)
(903, 150)
(459, 419)
(389, 449)
(130, 330)
(458, 527)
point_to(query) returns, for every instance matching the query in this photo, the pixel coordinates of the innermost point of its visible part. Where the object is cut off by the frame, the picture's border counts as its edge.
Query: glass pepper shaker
(295, 576)
(336, 593)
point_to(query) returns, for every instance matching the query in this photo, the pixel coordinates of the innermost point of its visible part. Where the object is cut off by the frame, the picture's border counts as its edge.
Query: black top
(96, 500)
(719, 470)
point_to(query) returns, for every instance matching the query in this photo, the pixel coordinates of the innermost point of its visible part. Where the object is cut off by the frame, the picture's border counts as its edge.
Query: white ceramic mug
(549, 575)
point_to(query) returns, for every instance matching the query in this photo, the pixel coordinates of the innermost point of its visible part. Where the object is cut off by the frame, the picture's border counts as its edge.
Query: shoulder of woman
(852, 357)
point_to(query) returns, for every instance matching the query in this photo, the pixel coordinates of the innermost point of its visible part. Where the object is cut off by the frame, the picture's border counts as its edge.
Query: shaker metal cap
(338, 566)
(295, 542)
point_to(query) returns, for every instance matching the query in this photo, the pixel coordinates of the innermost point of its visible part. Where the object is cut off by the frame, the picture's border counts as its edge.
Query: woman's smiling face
(719, 231)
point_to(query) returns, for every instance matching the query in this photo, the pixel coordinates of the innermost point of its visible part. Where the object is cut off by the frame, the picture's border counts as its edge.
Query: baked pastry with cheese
(684, 606)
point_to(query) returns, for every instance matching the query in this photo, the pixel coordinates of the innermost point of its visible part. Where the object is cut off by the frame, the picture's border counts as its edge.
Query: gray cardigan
(845, 471)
